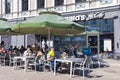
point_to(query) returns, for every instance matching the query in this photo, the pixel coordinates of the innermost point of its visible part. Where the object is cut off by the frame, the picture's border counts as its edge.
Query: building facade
(100, 17)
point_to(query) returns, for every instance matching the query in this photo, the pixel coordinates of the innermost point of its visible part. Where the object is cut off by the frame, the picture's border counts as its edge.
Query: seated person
(64, 55)
(51, 57)
(66, 50)
(75, 51)
(27, 52)
(40, 57)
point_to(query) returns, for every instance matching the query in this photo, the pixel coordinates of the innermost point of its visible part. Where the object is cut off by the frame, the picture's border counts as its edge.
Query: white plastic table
(25, 60)
(70, 60)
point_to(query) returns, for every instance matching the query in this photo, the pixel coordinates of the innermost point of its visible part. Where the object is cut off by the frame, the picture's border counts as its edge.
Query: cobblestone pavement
(110, 72)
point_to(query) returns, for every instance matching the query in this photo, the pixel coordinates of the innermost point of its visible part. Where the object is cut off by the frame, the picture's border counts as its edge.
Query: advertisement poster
(50, 43)
(107, 45)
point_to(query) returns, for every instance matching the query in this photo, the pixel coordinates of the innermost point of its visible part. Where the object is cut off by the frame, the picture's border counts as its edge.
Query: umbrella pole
(24, 41)
(17, 41)
(49, 37)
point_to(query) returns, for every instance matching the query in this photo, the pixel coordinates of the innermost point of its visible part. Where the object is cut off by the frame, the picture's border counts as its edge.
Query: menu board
(50, 43)
(107, 45)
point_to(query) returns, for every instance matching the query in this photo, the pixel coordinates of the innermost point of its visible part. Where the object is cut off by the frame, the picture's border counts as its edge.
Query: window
(40, 4)
(59, 2)
(105, 21)
(106, 1)
(7, 6)
(107, 25)
(77, 1)
(93, 22)
(24, 5)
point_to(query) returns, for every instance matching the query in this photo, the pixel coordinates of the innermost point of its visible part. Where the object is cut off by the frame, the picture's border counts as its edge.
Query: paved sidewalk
(112, 72)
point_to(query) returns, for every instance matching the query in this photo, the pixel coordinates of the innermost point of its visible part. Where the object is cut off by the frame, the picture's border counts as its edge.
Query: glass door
(93, 43)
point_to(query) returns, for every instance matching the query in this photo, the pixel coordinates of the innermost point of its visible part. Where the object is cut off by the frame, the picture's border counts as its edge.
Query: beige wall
(49, 3)
(119, 1)
(69, 1)
(92, 4)
(33, 4)
(70, 8)
(20, 8)
(33, 13)
(14, 5)
(3, 7)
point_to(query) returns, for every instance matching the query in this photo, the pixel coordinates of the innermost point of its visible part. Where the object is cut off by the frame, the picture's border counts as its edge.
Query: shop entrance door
(93, 43)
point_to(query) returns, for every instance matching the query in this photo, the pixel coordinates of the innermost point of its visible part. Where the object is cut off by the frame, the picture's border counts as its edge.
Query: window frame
(58, 2)
(8, 6)
(78, 1)
(42, 5)
(24, 6)
(106, 1)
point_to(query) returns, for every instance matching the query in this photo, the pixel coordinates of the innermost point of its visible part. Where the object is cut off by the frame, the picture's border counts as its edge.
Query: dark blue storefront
(100, 25)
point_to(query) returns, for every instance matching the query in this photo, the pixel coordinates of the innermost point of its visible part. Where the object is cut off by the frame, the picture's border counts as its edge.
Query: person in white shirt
(43, 43)
(27, 52)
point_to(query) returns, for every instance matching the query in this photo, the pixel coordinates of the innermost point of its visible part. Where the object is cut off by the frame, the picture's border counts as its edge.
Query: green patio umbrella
(5, 27)
(48, 23)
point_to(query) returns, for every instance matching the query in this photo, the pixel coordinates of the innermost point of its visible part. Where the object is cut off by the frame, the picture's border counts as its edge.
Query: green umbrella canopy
(91, 32)
(47, 23)
(5, 27)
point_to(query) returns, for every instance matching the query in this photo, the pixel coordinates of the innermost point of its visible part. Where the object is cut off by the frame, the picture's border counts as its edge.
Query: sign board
(107, 45)
(50, 43)
(80, 17)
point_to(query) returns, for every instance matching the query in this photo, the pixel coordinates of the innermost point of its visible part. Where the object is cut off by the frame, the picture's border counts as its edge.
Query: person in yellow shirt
(51, 54)
(51, 57)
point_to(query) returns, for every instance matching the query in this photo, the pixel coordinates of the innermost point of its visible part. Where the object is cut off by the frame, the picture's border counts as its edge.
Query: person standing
(43, 43)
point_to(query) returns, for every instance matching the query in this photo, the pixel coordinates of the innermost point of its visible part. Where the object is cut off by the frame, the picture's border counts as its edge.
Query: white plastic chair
(2, 58)
(47, 64)
(33, 62)
(11, 58)
(85, 65)
(96, 60)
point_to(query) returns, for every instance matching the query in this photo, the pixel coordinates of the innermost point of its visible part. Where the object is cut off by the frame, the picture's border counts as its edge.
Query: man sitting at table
(51, 57)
